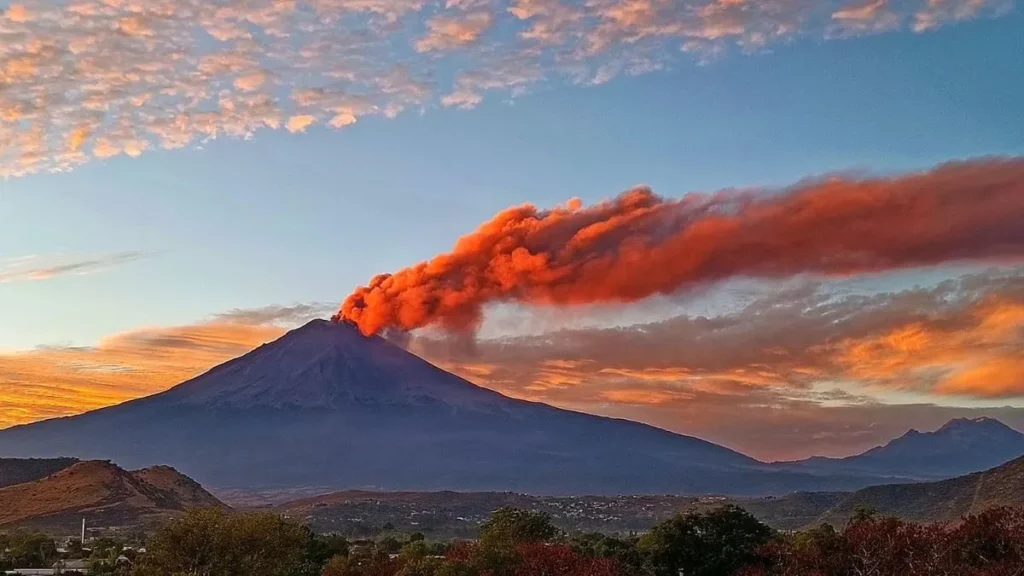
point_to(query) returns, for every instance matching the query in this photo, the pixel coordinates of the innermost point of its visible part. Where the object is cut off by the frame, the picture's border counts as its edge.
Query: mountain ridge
(958, 447)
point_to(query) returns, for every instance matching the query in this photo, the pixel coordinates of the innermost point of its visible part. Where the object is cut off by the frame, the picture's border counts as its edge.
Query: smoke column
(640, 244)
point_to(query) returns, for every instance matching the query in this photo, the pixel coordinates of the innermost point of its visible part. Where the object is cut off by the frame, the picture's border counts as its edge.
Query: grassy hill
(101, 492)
(943, 501)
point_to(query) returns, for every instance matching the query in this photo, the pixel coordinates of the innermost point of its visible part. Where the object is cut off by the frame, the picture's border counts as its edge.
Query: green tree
(512, 526)
(714, 543)
(211, 542)
(29, 550)
(623, 550)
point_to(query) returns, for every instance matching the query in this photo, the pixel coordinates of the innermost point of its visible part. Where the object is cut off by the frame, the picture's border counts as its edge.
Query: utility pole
(83, 531)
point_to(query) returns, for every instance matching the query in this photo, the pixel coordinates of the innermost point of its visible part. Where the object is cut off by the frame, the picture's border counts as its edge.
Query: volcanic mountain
(103, 494)
(961, 446)
(325, 406)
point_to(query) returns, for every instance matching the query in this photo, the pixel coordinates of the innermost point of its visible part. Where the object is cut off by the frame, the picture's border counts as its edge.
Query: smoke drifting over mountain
(640, 244)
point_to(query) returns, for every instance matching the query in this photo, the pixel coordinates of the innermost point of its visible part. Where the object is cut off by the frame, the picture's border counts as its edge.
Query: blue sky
(355, 137)
(299, 217)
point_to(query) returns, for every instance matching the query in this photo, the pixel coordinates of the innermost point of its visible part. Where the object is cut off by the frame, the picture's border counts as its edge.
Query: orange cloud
(977, 354)
(644, 396)
(51, 382)
(449, 33)
(998, 377)
(801, 368)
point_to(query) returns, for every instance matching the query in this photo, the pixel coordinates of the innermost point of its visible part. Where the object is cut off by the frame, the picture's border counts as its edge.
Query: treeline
(34, 550)
(513, 542)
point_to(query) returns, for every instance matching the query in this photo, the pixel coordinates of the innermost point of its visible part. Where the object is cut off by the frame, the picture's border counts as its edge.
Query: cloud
(865, 17)
(57, 381)
(640, 245)
(449, 33)
(276, 314)
(772, 377)
(88, 79)
(36, 268)
(803, 367)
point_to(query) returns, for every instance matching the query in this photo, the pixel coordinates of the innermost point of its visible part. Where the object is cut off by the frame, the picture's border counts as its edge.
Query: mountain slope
(959, 447)
(943, 501)
(325, 406)
(18, 470)
(102, 493)
(179, 491)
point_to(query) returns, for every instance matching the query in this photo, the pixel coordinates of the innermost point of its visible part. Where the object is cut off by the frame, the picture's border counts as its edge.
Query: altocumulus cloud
(87, 79)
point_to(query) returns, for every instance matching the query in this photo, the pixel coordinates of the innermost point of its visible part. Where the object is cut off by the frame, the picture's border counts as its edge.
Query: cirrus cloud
(36, 268)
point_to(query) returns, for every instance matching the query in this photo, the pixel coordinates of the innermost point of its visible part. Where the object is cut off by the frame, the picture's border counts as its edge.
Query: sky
(185, 180)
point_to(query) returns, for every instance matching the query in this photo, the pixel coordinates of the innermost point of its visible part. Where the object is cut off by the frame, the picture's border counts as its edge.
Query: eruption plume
(640, 244)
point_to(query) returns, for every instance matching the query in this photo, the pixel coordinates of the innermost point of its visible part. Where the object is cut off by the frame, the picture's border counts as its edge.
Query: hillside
(460, 514)
(181, 490)
(947, 500)
(102, 493)
(20, 470)
(456, 514)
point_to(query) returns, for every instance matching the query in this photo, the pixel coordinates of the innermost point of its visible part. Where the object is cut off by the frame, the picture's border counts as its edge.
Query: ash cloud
(640, 244)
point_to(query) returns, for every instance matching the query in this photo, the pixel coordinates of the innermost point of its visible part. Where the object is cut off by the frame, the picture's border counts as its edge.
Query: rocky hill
(102, 493)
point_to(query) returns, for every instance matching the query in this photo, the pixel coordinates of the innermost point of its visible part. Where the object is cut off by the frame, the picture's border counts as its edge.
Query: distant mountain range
(959, 447)
(103, 494)
(325, 406)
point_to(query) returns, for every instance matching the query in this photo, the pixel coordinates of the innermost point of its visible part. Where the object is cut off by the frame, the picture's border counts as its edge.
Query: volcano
(325, 406)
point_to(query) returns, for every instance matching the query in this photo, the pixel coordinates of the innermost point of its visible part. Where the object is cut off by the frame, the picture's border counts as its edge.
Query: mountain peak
(983, 423)
(325, 364)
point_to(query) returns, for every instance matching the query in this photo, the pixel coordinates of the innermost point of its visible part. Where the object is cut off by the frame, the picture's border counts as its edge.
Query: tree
(368, 562)
(29, 550)
(709, 544)
(623, 551)
(389, 544)
(991, 542)
(210, 542)
(512, 526)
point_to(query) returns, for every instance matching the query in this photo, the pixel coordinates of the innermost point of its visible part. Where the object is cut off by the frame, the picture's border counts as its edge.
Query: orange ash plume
(640, 244)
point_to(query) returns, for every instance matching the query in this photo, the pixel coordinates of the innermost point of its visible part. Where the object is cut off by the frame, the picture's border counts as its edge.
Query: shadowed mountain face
(18, 471)
(325, 406)
(961, 446)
